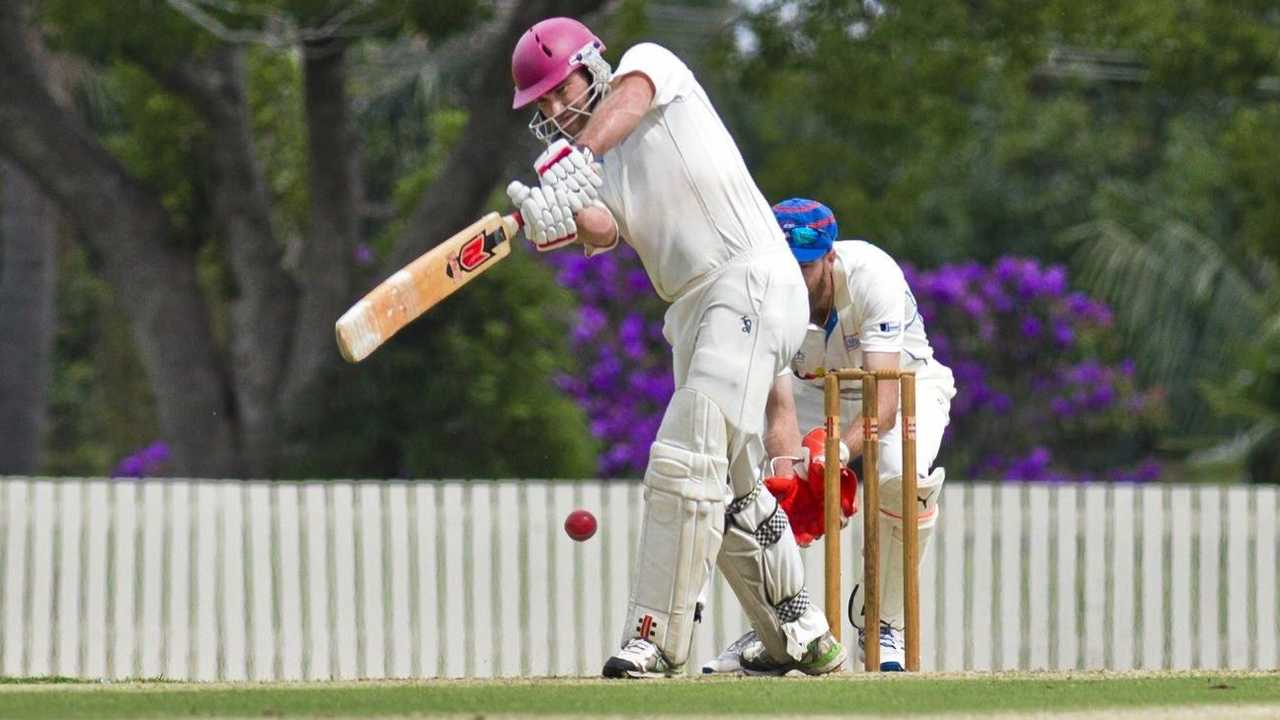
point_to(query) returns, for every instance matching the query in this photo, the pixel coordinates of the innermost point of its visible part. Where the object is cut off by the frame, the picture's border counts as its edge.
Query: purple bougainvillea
(1042, 391)
(624, 380)
(148, 461)
(1043, 394)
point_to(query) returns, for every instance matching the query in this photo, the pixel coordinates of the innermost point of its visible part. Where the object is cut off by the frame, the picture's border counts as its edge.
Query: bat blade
(420, 285)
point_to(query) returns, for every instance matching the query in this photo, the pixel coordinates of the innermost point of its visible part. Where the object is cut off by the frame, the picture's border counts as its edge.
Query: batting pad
(683, 523)
(761, 562)
(928, 491)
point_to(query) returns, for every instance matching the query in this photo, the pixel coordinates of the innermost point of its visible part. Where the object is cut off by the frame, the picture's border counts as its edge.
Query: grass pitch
(1084, 695)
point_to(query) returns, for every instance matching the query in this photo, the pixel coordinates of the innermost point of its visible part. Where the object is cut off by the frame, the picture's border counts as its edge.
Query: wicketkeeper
(861, 314)
(640, 155)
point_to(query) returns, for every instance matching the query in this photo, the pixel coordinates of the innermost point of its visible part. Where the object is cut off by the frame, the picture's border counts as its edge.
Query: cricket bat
(423, 283)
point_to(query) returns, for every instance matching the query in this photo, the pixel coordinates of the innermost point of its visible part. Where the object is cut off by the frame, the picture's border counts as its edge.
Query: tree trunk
(263, 301)
(127, 227)
(324, 270)
(28, 238)
(282, 328)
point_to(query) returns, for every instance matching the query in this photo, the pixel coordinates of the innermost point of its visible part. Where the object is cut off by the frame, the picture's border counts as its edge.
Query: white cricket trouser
(731, 334)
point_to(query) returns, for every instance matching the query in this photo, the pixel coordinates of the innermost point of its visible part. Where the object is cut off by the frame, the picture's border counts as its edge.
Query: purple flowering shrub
(149, 461)
(1042, 391)
(625, 381)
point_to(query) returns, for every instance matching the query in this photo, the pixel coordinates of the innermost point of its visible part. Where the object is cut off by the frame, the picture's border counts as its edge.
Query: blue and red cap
(810, 227)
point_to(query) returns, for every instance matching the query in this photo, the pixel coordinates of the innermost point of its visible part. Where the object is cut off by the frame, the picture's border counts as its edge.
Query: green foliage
(626, 27)
(100, 405)
(103, 32)
(158, 138)
(466, 391)
(409, 168)
(280, 135)
(1136, 139)
(474, 376)
(1252, 144)
(446, 127)
(442, 18)
(434, 18)
(948, 131)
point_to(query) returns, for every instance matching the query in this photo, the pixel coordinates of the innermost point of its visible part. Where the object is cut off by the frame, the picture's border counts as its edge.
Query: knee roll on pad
(689, 457)
(928, 492)
(683, 524)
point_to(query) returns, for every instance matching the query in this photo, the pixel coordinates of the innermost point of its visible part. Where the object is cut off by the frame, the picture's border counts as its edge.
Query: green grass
(721, 696)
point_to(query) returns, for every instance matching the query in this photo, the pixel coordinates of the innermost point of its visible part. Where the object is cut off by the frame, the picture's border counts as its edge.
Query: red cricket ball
(580, 525)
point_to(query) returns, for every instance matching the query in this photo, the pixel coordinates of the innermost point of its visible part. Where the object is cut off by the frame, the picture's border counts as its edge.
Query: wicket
(870, 481)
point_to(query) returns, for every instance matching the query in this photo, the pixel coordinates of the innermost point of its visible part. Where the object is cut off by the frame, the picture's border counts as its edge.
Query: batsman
(639, 155)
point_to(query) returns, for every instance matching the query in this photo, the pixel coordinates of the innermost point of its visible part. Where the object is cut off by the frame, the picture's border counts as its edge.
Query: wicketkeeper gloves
(802, 494)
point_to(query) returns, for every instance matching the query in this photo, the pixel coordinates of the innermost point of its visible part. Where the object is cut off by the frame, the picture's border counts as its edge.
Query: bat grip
(518, 218)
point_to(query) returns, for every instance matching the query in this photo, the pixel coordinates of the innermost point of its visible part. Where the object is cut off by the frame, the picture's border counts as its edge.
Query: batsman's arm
(886, 403)
(629, 98)
(597, 230)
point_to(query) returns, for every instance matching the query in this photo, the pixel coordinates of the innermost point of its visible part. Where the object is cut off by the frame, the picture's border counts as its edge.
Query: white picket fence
(231, 580)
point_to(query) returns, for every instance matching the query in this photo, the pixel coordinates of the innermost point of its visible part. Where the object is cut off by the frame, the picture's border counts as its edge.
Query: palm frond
(1233, 452)
(1182, 303)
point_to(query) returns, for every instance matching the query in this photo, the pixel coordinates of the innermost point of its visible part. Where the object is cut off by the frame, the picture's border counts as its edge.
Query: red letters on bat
(473, 254)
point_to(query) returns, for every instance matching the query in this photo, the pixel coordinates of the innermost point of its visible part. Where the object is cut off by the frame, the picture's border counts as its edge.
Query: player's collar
(839, 295)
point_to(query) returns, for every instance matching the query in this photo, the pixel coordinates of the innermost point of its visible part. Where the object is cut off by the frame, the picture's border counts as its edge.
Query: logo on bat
(473, 253)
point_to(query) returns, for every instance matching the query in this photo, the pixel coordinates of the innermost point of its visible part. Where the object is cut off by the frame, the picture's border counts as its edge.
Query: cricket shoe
(893, 646)
(824, 655)
(893, 651)
(638, 659)
(730, 661)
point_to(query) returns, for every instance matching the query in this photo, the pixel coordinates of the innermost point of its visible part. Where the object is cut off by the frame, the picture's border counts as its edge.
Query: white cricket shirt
(874, 312)
(677, 185)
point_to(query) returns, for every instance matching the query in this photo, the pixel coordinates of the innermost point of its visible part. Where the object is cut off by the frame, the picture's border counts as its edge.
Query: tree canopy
(230, 176)
(234, 197)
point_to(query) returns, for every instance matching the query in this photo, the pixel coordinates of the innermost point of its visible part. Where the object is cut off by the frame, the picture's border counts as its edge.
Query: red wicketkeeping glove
(802, 498)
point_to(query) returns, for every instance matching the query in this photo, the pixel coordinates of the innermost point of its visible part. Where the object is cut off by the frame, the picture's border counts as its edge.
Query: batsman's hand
(547, 223)
(571, 173)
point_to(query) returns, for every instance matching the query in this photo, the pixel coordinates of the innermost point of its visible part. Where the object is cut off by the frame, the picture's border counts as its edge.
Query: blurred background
(192, 191)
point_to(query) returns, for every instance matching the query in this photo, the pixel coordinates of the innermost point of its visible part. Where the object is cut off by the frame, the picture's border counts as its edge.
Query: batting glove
(548, 223)
(571, 173)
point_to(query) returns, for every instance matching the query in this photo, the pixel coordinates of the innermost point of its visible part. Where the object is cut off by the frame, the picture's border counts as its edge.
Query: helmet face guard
(548, 129)
(546, 55)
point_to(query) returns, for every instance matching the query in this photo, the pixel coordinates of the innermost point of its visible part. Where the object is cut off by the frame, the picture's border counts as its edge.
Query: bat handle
(518, 218)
